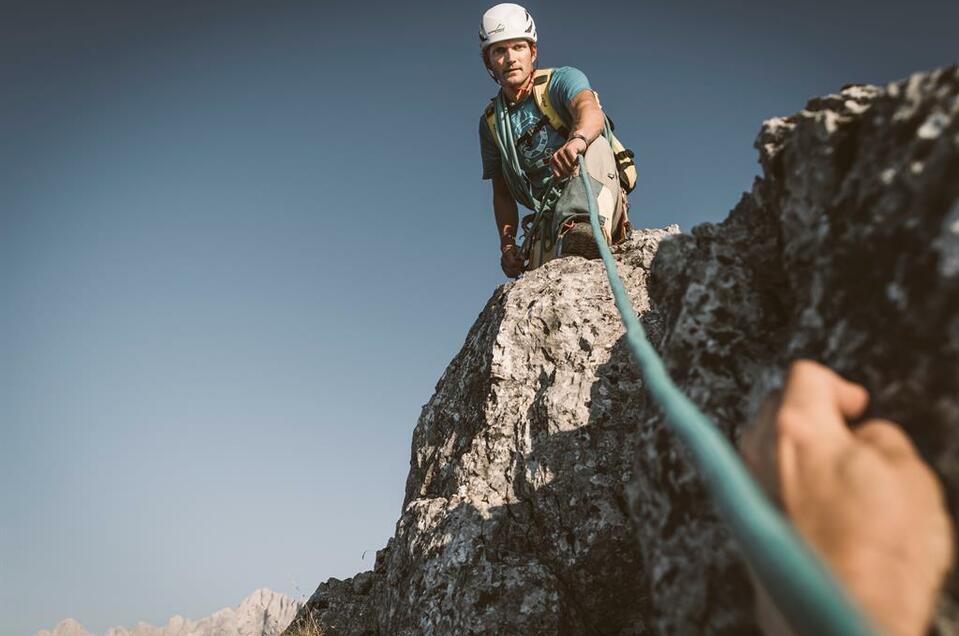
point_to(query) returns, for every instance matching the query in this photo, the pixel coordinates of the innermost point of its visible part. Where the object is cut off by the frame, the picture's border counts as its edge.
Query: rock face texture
(516, 519)
(847, 252)
(262, 613)
(547, 496)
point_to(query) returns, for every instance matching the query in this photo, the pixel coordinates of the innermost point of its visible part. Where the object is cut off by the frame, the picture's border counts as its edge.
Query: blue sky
(240, 241)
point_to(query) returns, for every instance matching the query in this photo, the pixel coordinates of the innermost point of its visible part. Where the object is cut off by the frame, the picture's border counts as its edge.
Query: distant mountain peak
(66, 627)
(262, 613)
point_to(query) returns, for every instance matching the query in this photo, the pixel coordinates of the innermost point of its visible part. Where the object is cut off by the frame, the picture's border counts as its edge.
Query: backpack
(625, 164)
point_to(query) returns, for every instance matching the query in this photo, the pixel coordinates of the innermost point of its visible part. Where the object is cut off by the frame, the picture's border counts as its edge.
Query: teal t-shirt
(535, 153)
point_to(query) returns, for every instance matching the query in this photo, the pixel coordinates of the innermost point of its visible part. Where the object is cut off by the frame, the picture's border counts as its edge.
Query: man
(531, 161)
(861, 497)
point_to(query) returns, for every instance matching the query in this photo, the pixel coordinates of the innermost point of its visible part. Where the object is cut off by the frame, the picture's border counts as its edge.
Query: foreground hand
(512, 260)
(563, 161)
(863, 499)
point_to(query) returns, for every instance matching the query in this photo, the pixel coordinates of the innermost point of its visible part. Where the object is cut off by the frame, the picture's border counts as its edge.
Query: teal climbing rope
(798, 582)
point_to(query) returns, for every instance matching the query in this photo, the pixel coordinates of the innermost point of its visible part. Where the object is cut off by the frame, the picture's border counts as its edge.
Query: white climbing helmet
(506, 21)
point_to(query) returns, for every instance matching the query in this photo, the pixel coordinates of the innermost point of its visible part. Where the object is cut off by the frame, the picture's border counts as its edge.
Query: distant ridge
(262, 613)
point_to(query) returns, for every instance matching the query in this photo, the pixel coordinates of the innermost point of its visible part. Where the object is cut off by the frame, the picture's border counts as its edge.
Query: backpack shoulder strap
(541, 79)
(490, 115)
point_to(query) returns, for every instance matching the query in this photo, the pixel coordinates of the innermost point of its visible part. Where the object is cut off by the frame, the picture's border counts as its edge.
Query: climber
(530, 136)
(862, 497)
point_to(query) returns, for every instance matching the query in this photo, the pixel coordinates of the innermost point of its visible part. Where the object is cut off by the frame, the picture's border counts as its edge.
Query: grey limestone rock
(843, 252)
(547, 496)
(515, 519)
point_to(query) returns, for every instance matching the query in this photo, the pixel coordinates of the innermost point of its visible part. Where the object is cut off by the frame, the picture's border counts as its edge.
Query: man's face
(511, 61)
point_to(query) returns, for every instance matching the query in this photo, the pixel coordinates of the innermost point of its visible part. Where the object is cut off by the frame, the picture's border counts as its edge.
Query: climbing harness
(799, 583)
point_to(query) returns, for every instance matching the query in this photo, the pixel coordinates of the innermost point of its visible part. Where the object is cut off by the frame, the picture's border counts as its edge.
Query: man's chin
(514, 81)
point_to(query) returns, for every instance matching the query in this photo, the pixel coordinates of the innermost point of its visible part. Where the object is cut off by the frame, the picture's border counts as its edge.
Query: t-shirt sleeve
(489, 152)
(567, 82)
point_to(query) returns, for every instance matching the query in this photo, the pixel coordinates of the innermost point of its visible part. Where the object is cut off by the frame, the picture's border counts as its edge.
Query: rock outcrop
(545, 493)
(262, 613)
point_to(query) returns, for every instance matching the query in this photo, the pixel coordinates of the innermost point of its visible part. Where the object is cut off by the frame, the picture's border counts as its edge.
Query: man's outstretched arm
(861, 497)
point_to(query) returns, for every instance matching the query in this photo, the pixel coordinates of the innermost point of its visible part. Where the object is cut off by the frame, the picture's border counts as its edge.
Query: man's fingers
(887, 438)
(563, 162)
(557, 170)
(817, 402)
(512, 262)
(811, 383)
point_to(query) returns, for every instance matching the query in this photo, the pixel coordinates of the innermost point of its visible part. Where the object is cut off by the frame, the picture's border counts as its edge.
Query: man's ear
(489, 69)
(532, 46)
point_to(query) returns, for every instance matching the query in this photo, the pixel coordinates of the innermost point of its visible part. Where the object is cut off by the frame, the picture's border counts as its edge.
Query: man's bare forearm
(505, 211)
(507, 218)
(588, 119)
(588, 123)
